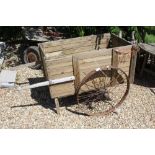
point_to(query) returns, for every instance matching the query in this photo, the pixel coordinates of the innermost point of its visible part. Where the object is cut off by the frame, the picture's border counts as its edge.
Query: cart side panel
(64, 67)
(89, 61)
(93, 38)
(59, 68)
(117, 41)
(77, 45)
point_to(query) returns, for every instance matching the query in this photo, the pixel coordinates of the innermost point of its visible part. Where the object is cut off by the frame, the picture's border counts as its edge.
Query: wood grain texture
(76, 72)
(91, 38)
(133, 64)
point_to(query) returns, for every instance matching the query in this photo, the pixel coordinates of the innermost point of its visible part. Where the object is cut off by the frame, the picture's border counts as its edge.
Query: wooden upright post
(135, 49)
(57, 105)
(114, 64)
(76, 72)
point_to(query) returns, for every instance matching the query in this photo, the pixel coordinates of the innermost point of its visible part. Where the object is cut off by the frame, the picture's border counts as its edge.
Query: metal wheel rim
(117, 105)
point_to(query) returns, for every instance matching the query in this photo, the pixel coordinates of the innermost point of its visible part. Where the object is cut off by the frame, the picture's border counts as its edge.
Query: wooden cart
(80, 58)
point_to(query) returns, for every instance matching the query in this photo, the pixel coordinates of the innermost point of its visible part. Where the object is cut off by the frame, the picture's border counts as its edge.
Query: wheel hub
(31, 57)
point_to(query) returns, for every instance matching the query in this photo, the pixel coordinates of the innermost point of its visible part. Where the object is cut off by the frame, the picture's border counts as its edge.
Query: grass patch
(150, 38)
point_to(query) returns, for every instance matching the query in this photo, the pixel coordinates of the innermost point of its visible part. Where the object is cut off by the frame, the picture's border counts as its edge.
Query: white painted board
(7, 78)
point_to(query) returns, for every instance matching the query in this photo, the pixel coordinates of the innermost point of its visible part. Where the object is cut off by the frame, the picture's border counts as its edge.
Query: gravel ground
(35, 109)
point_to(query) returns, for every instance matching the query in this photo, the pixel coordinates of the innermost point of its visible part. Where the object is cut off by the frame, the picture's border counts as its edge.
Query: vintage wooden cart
(97, 69)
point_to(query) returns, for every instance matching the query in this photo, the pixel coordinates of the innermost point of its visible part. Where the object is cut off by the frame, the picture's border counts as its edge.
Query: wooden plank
(67, 41)
(117, 41)
(59, 60)
(73, 44)
(73, 47)
(74, 40)
(115, 58)
(55, 66)
(133, 63)
(85, 54)
(114, 64)
(88, 67)
(95, 64)
(94, 53)
(103, 52)
(95, 59)
(123, 49)
(59, 70)
(62, 90)
(76, 72)
(57, 76)
(148, 48)
(57, 105)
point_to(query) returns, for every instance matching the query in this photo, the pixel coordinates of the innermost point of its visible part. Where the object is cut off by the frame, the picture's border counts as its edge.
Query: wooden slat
(116, 41)
(76, 72)
(58, 65)
(123, 49)
(62, 90)
(133, 63)
(73, 40)
(83, 55)
(67, 41)
(114, 64)
(60, 70)
(73, 46)
(59, 60)
(57, 76)
(94, 64)
(94, 53)
(57, 105)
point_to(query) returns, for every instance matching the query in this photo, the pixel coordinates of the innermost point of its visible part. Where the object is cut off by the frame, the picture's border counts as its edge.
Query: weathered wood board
(67, 66)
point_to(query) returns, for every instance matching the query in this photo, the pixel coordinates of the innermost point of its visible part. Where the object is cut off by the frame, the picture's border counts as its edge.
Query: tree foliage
(142, 33)
(9, 33)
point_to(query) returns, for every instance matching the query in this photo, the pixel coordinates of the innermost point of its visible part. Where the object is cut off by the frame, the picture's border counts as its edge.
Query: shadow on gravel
(42, 96)
(146, 80)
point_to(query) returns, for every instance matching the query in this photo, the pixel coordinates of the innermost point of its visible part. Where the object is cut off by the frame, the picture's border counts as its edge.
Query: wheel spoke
(98, 95)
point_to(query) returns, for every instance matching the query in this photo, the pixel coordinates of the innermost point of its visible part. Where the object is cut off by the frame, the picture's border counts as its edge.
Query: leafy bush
(150, 38)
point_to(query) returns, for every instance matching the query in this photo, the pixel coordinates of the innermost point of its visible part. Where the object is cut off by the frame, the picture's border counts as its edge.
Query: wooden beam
(76, 72)
(57, 105)
(135, 49)
(114, 64)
